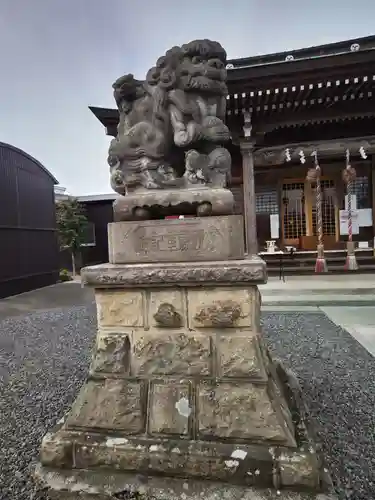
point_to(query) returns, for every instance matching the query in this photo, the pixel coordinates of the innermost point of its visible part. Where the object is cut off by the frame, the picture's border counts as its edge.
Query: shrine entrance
(299, 221)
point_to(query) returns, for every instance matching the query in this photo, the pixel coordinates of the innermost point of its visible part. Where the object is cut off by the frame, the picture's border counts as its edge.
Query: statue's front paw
(215, 130)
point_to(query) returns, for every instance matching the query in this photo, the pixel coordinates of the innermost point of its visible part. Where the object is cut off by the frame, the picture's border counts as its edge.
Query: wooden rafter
(311, 93)
(343, 111)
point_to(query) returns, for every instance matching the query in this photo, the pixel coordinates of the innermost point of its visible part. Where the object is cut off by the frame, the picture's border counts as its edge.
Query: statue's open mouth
(202, 82)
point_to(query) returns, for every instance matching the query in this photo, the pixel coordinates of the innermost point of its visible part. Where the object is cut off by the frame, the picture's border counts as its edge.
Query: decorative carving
(221, 313)
(167, 316)
(177, 112)
(209, 169)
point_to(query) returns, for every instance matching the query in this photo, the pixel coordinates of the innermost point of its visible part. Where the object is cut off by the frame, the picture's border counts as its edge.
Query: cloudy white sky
(60, 56)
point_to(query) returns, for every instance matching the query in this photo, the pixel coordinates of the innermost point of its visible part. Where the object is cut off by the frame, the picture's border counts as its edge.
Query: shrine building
(281, 108)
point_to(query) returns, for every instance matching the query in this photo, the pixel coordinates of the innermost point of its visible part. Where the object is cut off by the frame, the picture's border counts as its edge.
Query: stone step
(267, 291)
(310, 269)
(317, 300)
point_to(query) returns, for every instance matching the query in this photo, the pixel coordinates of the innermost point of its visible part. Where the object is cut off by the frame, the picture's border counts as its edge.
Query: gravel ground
(337, 376)
(43, 362)
(44, 359)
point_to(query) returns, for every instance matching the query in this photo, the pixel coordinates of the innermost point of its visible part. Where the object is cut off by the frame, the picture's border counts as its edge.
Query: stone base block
(197, 239)
(182, 386)
(154, 204)
(228, 459)
(112, 485)
(249, 465)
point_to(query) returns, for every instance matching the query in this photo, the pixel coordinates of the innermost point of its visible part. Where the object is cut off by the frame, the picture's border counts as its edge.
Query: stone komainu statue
(171, 128)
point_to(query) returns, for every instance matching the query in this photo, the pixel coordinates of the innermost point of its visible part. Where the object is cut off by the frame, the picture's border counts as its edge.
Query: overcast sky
(60, 56)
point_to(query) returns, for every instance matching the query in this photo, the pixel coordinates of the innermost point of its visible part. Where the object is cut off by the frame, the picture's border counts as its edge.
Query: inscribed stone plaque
(197, 239)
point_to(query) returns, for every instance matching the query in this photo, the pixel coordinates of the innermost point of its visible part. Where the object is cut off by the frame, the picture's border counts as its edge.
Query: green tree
(71, 226)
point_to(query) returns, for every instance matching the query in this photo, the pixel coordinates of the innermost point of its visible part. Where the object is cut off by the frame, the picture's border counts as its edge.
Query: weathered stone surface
(111, 355)
(298, 469)
(238, 410)
(107, 483)
(239, 356)
(175, 353)
(170, 409)
(257, 304)
(195, 460)
(56, 451)
(240, 272)
(221, 307)
(167, 308)
(108, 404)
(115, 452)
(166, 316)
(235, 432)
(201, 202)
(119, 308)
(222, 313)
(197, 239)
(251, 465)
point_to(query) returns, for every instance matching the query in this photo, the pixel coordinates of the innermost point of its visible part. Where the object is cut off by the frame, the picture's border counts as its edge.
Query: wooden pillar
(249, 197)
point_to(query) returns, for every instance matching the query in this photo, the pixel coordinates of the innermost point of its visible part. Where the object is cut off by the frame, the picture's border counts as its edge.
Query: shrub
(65, 275)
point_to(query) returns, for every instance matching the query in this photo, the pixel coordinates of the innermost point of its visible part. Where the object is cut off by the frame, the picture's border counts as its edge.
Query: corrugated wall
(28, 249)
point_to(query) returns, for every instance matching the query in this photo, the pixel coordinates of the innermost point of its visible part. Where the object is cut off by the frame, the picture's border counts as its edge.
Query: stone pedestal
(181, 385)
(151, 203)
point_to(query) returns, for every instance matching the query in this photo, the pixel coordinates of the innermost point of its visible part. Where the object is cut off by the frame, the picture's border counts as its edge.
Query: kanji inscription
(206, 238)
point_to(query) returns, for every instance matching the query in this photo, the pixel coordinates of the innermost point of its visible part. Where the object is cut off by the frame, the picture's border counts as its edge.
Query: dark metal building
(29, 255)
(99, 212)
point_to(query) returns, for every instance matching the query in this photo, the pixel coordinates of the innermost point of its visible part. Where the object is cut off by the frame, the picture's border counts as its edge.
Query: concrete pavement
(347, 300)
(319, 290)
(358, 321)
(66, 294)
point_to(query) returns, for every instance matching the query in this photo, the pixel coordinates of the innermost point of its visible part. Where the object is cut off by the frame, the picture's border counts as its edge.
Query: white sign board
(365, 217)
(344, 222)
(363, 244)
(275, 226)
